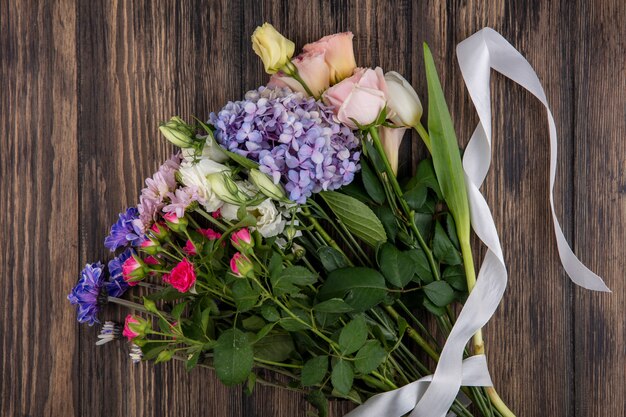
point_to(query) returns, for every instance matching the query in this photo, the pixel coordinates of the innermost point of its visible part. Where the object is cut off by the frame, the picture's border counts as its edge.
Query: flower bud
(241, 266)
(177, 224)
(133, 270)
(402, 100)
(160, 232)
(151, 246)
(226, 189)
(178, 132)
(135, 327)
(242, 240)
(391, 139)
(266, 185)
(273, 48)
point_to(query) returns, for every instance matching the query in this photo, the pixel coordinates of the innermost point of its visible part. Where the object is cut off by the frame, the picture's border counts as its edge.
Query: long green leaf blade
(445, 150)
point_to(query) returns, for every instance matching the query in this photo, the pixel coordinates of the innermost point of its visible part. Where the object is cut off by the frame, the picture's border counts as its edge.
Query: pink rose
(241, 265)
(210, 234)
(132, 271)
(242, 240)
(182, 276)
(128, 333)
(190, 248)
(338, 54)
(361, 97)
(312, 69)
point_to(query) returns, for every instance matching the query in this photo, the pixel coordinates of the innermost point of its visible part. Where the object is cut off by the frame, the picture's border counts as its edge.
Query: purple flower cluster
(126, 231)
(88, 294)
(293, 138)
(158, 188)
(116, 285)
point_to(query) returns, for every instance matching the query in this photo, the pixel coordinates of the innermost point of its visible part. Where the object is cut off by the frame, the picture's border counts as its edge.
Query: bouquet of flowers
(278, 246)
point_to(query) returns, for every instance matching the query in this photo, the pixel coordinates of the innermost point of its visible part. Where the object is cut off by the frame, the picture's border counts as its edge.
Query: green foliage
(314, 370)
(233, 357)
(289, 279)
(357, 217)
(342, 376)
(275, 347)
(455, 276)
(331, 258)
(445, 150)
(334, 305)
(440, 293)
(353, 335)
(244, 294)
(371, 183)
(396, 266)
(362, 288)
(369, 357)
(443, 248)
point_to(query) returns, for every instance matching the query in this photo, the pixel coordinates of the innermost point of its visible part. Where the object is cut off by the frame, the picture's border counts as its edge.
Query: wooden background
(84, 85)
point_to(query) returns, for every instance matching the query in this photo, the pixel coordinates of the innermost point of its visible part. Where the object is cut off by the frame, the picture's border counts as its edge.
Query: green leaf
(289, 279)
(342, 376)
(270, 313)
(192, 361)
(334, 305)
(425, 177)
(451, 230)
(253, 323)
(353, 335)
(440, 293)
(421, 266)
(395, 265)
(331, 258)
(233, 357)
(178, 310)
(443, 248)
(357, 217)
(164, 356)
(388, 219)
(371, 183)
(292, 324)
(150, 305)
(369, 357)
(241, 160)
(314, 371)
(275, 265)
(354, 189)
(437, 311)
(275, 347)
(244, 295)
(455, 276)
(166, 294)
(416, 197)
(445, 150)
(424, 223)
(361, 288)
(319, 401)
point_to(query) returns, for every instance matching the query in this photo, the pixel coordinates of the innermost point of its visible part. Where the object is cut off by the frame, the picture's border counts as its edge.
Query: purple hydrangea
(293, 138)
(125, 231)
(116, 285)
(88, 294)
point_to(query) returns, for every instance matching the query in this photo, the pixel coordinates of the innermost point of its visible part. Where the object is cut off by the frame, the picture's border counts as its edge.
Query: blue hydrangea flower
(88, 294)
(116, 286)
(294, 139)
(126, 231)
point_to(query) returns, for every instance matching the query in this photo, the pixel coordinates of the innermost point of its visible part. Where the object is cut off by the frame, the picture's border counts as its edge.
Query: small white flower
(270, 221)
(194, 174)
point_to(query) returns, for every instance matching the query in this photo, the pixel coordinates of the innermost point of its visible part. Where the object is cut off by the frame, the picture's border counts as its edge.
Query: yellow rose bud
(273, 48)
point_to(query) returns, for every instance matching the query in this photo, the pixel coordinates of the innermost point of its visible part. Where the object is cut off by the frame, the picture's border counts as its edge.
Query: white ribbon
(477, 55)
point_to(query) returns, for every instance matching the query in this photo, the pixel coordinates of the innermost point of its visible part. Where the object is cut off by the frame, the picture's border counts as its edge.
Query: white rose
(269, 221)
(195, 174)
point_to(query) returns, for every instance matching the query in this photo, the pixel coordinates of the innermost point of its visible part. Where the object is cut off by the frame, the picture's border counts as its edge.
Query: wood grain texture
(38, 168)
(600, 207)
(86, 83)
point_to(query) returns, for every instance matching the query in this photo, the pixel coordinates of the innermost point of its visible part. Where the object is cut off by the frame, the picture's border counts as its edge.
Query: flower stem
(419, 127)
(405, 207)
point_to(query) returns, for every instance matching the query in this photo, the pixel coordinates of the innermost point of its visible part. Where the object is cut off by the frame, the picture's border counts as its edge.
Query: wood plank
(600, 205)
(142, 62)
(528, 340)
(38, 168)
